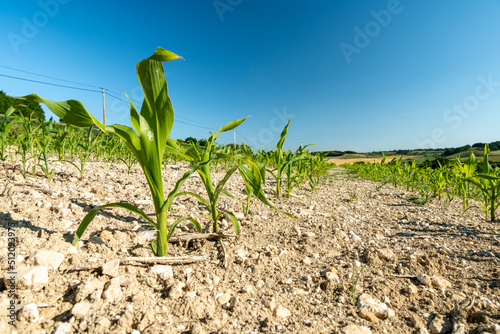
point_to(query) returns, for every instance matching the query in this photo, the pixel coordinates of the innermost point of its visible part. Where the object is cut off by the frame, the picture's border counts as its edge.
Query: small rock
(49, 259)
(424, 279)
(32, 277)
(282, 312)
(366, 302)
(176, 290)
(106, 235)
(113, 291)
(385, 254)
(367, 315)
(81, 309)
(147, 235)
(339, 233)
(440, 325)
(354, 329)
(440, 283)
(416, 321)
(411, 289)
(89, 287)
(162, 271)
(28, 313)
(223, 298)
(104, 322)
(355, 236)
(331, 276)
(62, 328)
(110, 268)
(307, 261)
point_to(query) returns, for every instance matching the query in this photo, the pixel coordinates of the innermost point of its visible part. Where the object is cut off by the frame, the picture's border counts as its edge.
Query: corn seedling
(152, 128)
(5, 124)
(85, 150)
(354, 282)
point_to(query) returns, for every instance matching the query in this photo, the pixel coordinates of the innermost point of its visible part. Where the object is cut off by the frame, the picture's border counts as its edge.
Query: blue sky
(353, 75)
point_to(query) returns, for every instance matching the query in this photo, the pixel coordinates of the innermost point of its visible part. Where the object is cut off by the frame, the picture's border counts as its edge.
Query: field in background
(419, 156)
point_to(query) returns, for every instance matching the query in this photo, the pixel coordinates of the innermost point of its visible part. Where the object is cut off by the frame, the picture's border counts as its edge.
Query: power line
(50, 84)
(186, 121)
(47, 76)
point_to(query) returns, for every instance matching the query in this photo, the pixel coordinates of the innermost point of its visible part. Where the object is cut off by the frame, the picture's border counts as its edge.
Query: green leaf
(229, 126)
(234, 221)
(92, 213)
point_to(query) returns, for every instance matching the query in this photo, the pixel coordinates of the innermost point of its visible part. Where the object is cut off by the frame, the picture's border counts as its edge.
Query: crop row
(472, 179)
(81, 137)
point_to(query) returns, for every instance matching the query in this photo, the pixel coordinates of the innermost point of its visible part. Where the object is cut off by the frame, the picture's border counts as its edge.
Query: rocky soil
(421, 269)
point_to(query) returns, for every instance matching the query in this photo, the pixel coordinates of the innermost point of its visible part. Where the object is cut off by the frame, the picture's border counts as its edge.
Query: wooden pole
(103, 107)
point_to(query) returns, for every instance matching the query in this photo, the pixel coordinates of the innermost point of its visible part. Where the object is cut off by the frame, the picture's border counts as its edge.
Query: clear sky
(353, 74)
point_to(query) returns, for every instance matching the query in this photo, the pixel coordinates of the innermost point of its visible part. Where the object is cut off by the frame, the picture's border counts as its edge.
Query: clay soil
(281, 275)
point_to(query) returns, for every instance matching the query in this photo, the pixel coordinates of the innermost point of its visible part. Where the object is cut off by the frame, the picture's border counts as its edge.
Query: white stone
(28, 313)
(282, 312)
(366, 302)
(176, 290)
(32, 277)
(424, 279)
(81, 309)
(354, 329)
(62, 328)
(223, 298)
(49, 259)
(113, 290)
(307, 261)
(162, 271)
(110, 268)
(440, 283)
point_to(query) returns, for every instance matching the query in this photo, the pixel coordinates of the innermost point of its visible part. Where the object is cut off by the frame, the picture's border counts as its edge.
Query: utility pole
(103, 107)
(234, 135)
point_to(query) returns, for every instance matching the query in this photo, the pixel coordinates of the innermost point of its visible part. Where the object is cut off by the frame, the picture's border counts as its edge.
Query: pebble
(367, 302)
(110, 268)
(367, 315)
(62, 328)
(162, 271)
(28, 313)
(49, 259)
(223, 298)
(148, 235)
(440, 325)
(440, 283)
(113, 291)
(32, 277)
(307, 261)
(411, 289)
(176, 290)
(355, 236)
(355, 329)
(424, 279)
(385, 254)
(282, 312)
(81, 309)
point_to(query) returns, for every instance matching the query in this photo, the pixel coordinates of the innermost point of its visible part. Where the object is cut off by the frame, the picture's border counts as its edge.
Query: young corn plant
(202, 156)
(152, 128)
(85, 150)
(488, 184)
(5, 124)
(44, 141)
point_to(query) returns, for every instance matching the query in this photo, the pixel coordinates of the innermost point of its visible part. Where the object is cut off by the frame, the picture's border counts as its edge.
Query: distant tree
(191, 140)
(25, 108)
